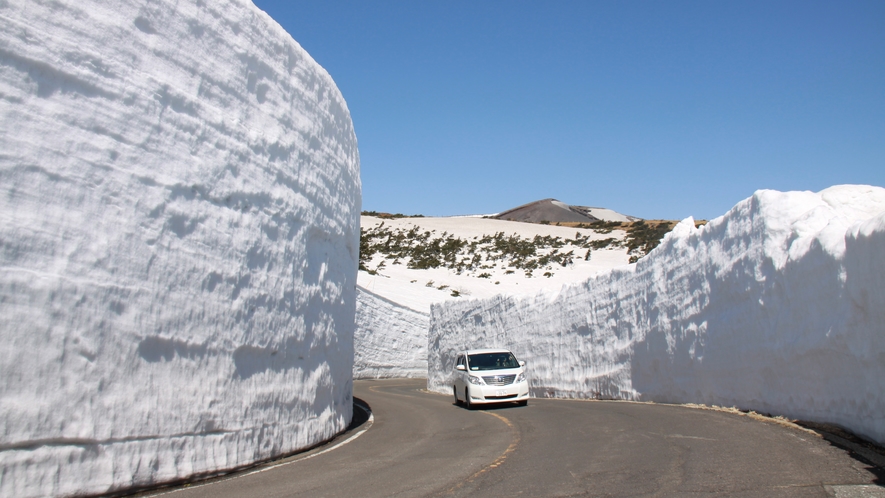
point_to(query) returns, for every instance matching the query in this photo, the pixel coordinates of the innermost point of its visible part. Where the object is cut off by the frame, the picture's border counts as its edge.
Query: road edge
(262, 466)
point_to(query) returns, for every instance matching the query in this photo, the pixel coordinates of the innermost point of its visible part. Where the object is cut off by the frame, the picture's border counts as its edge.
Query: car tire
(455, 392)
(523, 402)
(467, 399)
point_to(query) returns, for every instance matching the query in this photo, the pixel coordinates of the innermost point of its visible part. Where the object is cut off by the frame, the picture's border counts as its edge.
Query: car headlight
(520, 377)
(477, 381)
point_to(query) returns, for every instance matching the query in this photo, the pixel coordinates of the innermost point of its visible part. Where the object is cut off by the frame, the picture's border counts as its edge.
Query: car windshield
(491, 361)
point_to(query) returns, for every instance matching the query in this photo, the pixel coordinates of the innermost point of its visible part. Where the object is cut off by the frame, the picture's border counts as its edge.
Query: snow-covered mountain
(777, 306)
(179, 230)
(408, 264)
(420, 261)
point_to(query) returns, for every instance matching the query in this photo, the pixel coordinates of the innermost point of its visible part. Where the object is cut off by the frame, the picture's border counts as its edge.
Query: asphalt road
(421, 444)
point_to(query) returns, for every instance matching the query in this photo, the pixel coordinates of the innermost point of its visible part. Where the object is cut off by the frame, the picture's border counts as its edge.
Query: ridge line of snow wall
(778, 307)
(390, 340)
(179, 236)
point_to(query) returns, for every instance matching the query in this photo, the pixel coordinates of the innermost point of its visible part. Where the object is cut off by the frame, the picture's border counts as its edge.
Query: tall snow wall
(389, 340)
(778, 306)
(179, 228)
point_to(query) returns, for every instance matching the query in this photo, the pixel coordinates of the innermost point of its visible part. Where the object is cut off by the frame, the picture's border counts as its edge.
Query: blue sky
(653, 109)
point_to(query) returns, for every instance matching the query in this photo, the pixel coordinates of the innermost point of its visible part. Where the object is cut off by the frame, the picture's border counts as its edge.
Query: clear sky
(657, 109)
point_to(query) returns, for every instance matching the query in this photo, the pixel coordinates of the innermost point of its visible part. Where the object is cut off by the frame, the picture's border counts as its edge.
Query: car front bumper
(499, 394)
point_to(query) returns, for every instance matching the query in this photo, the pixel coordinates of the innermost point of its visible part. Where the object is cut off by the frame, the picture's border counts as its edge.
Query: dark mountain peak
(554, 211)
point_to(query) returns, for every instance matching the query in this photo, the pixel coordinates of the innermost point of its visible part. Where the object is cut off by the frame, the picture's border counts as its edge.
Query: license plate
(500, 393)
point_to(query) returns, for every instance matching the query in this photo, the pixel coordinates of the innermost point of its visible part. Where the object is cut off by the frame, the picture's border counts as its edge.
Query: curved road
(421, 444)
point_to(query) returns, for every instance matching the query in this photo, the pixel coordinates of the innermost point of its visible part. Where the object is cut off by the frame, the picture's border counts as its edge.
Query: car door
(458, 375)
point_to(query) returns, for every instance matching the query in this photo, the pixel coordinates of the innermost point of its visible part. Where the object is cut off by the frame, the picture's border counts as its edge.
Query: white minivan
(489, 376)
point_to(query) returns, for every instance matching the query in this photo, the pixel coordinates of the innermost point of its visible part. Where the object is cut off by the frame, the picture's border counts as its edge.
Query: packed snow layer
(778, 306)
(179, 228)
(390, 340)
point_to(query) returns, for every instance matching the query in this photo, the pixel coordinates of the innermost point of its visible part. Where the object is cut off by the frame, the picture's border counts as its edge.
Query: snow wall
(778, 306)
(390, 340)
(179, 228)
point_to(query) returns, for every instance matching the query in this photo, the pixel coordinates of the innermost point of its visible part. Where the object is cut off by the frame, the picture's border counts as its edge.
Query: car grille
(499, 380)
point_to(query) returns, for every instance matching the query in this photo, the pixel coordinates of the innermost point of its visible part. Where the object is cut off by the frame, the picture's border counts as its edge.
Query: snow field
(409, 287)
(179, 233)
(778, 307)
(393, 306)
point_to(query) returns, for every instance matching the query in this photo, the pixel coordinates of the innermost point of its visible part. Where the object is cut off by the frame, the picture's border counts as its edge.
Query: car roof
(491, 350)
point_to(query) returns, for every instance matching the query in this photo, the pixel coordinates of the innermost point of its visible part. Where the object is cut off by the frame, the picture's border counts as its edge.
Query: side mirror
(461, 368)
(522, 363)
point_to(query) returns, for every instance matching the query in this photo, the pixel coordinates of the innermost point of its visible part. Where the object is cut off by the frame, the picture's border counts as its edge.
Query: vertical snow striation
(778, 306)
(179, 228)
(390, 340)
